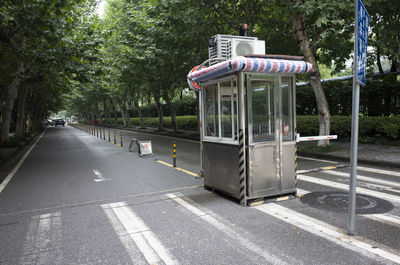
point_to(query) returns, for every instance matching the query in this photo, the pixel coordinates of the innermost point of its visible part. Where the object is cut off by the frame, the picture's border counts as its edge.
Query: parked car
(59, 122)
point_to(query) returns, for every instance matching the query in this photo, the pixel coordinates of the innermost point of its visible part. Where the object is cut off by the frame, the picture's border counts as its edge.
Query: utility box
(248, 125)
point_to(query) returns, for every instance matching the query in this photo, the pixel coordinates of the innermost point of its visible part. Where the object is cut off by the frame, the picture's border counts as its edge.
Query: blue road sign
(362, 42)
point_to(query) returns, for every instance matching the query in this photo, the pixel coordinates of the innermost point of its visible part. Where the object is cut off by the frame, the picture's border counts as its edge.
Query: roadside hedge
(307, 125)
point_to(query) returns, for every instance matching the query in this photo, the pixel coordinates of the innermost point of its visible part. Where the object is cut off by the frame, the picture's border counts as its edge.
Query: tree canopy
(59, 54)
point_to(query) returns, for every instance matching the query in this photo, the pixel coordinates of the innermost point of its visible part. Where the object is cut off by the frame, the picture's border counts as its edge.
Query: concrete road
(78, 199)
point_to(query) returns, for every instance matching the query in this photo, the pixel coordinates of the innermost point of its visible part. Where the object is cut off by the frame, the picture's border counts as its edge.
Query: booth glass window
(220, 111)
(262, 113)
(287, 109)
(211, 110)
(226, 109)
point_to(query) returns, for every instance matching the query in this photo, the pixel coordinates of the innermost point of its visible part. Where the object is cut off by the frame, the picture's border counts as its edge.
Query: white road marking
(361, 177)
(19, 164)
(43, 241)
(327, 231)
(148, 244)
(315, 159)
(206, 215)
(383, 218)
(100, 177)
(381, 171)
(345, 187)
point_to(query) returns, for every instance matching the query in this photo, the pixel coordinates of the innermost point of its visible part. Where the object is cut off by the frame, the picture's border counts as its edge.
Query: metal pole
(115, 136)
(174, 153)
(104, 134)
(97, 130)
(354, 135)
(109, 137)
(120, 134)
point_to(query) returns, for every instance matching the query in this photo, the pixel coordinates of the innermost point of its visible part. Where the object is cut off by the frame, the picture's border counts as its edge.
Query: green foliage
(320, 149)
(372, 127)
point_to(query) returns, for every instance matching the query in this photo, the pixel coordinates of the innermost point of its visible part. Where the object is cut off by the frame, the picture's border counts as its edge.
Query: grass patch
(321, 149)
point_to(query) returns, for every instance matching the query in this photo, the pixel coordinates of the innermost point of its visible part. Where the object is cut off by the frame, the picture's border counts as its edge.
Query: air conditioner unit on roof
(229, 46)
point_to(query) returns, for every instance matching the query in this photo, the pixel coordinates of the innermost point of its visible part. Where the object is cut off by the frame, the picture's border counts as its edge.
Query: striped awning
(246, 64)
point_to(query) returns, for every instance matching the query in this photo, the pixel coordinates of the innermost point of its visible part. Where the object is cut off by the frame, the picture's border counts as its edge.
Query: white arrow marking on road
(237, 237)
(340, 186)
(326, 231)
(100, 177)
(146, 241)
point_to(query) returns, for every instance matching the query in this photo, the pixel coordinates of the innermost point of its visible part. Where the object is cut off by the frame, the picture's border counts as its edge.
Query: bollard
(174, 155)
(97, 132)
(104, 134)
(115, 136)
(101, 133)
(109, 138)
(120, 134)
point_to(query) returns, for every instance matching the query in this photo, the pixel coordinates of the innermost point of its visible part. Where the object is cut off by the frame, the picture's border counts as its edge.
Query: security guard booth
(248, 125)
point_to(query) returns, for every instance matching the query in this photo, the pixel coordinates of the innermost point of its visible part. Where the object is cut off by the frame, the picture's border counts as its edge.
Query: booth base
(279, 198)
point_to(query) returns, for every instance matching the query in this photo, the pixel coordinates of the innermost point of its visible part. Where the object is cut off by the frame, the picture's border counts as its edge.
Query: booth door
(270, 123)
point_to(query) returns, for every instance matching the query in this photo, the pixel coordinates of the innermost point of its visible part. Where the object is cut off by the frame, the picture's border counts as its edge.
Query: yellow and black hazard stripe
(242, 170)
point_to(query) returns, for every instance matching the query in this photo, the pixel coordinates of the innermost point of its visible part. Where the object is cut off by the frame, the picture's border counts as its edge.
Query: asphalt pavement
(80, 199)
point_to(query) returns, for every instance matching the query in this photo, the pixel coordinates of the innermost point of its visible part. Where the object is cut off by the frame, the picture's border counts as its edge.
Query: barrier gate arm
(314, 138)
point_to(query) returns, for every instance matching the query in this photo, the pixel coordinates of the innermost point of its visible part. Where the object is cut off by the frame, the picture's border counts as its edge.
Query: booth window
(211, 115)
(287, 109)
(262, 114)
(220, 112)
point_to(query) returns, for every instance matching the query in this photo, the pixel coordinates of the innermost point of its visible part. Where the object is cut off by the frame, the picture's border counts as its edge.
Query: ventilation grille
(221, 49)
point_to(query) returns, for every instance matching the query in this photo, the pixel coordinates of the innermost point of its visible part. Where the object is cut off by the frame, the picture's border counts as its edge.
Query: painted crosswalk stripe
(43, 241)
(361, 177)
(384, 218)
(340, 186)
(381, 171)
(207, 215)
(146, 241)
(327, 231)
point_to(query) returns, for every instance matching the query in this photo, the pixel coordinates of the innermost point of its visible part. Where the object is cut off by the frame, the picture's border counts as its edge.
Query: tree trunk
(309, 51)
(98, 114)
(8, 105)
(124, 112)
(21, 121)
(378, 60)
(172, 110)
(156, 95)
(107, 116)
(136, 103)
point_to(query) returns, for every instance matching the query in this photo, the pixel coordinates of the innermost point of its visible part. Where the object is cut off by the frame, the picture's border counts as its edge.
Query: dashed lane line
(341, 186)
(146, 241)
(19, 164)
(99, 176)
(207, 215)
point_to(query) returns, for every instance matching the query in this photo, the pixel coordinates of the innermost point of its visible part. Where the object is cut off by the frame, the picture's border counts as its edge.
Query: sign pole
(354, 134)
(361, 25)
